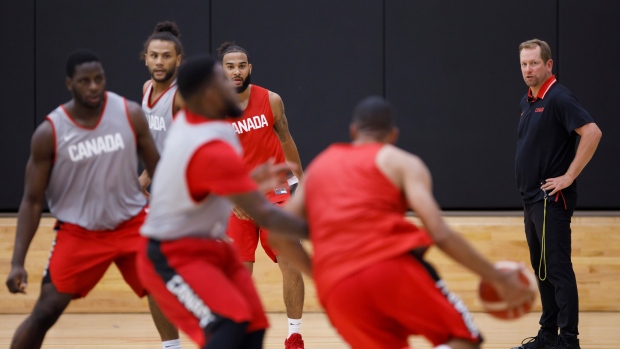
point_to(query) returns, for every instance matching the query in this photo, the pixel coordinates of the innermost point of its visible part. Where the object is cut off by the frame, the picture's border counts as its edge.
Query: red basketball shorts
(198, 281)
(246, 234)
(382, 305)
(79, 257)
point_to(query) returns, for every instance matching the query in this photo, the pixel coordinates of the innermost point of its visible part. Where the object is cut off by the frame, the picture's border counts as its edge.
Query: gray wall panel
(17, 91)
(453, 71)
(321, 57)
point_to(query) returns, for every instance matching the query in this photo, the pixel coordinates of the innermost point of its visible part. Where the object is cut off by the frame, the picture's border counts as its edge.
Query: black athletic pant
(558, 293)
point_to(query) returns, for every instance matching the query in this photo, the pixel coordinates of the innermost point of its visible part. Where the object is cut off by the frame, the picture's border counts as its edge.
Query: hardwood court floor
(599, 330)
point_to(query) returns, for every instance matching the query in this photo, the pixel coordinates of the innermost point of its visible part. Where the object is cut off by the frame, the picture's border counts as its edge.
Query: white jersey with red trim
(159, 114)
(94, 181)
(173, 213)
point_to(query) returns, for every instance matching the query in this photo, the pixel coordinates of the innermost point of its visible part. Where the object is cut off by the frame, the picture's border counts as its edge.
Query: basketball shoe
(566, 342)
(294, 342)
(544, 340)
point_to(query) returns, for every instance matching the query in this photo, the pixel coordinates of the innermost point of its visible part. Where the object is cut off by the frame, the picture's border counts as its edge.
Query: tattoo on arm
(281, 126)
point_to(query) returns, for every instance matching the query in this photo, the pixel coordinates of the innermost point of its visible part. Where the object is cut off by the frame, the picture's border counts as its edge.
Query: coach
(557, 138)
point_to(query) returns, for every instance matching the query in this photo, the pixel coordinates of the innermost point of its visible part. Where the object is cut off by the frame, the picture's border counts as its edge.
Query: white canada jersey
(94, 180)
(173, 213)
(159, 114)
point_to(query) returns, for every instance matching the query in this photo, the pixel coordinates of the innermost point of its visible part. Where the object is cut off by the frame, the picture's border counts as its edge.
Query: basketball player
(263, 131)
(84, 159)
(160, 100)
(368, 262)
(194, 274)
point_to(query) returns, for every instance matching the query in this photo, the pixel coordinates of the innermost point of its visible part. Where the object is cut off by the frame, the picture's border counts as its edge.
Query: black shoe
(566, 342)
(544, 340)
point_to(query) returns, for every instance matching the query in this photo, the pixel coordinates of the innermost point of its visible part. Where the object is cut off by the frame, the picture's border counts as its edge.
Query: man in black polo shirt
(549, 157)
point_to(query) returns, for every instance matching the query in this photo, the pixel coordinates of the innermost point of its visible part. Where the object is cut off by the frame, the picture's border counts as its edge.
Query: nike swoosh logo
(68, 137)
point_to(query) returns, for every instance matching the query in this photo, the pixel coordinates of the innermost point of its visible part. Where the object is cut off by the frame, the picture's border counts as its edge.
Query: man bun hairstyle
(78, 57)
(230, 47)
(545, 50)
(374, 114)
(167, 27)
(195, 75)
(165, 31)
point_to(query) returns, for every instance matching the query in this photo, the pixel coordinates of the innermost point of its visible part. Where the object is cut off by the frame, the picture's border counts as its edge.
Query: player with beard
(160, 100)
(193, 273)
(264, 134)
(83, 159)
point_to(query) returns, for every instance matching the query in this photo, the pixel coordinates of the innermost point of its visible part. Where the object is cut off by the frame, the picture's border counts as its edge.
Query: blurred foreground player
(368, 261)
(263, 131)
(84, 158)
(192, 271)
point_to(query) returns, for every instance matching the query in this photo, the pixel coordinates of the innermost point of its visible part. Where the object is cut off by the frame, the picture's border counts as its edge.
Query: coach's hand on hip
(556, 184)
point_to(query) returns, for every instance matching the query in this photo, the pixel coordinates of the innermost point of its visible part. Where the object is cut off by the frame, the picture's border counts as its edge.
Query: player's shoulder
(391, 156)
(393, 151)
(45, 128)
(275, 100)
(146, 85)
(44, 136)
(133, 108)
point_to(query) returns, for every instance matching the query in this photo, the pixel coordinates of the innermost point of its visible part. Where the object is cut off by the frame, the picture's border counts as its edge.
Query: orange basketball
(494, 305)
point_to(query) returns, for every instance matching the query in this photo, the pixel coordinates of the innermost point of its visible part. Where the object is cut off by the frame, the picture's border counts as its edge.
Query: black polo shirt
(547, 139)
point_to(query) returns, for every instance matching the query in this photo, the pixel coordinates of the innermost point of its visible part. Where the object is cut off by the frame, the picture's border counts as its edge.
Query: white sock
(173, 344)
(443, 346)
(294, 326)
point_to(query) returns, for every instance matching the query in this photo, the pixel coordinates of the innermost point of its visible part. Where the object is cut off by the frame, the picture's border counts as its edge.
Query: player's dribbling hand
(512, 290)
(240, 214)
(16, 282)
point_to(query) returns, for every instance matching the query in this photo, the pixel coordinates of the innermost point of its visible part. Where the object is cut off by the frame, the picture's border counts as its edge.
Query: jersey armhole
(147, 89)
(48, 118)
(174, 98)
(135, 136)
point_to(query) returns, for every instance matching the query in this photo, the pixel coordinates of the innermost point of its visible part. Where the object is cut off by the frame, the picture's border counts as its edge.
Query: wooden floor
(596, 259)
(133, 331)
(112, 317)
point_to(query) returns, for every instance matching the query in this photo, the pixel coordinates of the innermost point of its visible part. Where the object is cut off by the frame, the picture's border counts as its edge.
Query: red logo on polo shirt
(539, 110)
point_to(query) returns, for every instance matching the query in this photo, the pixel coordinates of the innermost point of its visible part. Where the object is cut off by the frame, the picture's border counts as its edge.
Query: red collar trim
(543, 90)
(194, 119)
(151, 87)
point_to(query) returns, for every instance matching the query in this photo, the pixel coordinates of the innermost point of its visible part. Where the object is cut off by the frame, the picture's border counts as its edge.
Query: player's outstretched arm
(280, 127)
(413, 177)
(286, 242)
(38, 171)
(146, 146)
(279, 222)
(267, 215)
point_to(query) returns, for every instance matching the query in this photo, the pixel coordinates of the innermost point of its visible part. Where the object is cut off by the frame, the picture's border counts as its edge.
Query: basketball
(492, 302)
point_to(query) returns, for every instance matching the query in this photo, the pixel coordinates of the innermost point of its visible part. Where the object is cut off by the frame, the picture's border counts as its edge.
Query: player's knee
(45, 315)
(48, 309)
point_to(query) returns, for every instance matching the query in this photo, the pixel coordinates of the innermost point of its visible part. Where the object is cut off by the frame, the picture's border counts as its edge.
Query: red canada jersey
(355, 214)
(257, 136)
